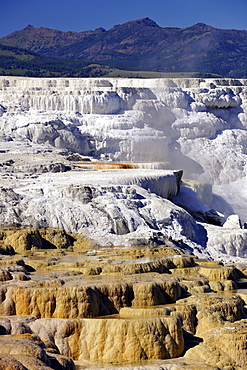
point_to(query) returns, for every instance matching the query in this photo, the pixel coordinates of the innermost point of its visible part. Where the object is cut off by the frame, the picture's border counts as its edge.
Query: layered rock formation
(49, 127)
(118, 281)
(116, 306)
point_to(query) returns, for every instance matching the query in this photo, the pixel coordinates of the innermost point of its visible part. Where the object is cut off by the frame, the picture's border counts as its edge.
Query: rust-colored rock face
(115, 306)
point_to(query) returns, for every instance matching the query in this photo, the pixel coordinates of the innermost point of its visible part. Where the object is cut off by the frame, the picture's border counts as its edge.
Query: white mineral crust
(195, 125)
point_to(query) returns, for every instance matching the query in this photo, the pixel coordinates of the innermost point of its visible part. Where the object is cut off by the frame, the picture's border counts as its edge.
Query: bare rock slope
(62, 140)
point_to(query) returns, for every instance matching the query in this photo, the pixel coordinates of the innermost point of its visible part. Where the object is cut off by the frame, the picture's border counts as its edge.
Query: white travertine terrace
(196, 125)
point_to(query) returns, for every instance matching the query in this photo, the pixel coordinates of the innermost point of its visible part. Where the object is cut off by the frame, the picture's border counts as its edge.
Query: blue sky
(82, 15)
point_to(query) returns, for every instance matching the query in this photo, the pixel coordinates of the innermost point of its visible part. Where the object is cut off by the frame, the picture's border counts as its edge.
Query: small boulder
(233, 222)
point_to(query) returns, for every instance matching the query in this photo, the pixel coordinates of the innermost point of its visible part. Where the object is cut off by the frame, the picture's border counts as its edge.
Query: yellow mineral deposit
(115, 306)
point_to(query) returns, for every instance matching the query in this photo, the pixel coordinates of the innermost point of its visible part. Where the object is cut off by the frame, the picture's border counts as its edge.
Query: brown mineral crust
(10, 363)
(130, 340)
(114, 305)
(77, 298)
(27, 239)
(225, 347)
(215, 310)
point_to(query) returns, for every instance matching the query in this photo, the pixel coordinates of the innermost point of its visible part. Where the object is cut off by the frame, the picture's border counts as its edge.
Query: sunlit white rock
(198, 125)
(219, 98)
(233, 222)
(226, 243)
(223, 158)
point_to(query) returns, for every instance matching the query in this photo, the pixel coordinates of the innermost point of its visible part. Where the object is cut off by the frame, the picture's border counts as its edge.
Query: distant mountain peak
(100, 29)
(144, 22)
(29, 27)
(147, 22)
(201, 27)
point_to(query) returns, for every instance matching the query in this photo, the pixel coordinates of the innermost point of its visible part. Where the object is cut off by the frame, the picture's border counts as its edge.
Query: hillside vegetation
(139, 45)
(21, 62)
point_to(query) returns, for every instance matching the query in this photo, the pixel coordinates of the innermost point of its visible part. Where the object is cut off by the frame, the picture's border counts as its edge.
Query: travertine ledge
(115, 306)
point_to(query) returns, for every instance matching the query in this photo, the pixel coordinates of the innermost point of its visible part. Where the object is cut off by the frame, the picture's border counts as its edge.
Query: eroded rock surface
(128, 288)
(53, 131)
(117, 306)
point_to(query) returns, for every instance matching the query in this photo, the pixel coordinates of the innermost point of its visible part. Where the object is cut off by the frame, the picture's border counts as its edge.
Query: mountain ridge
(143, 45)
